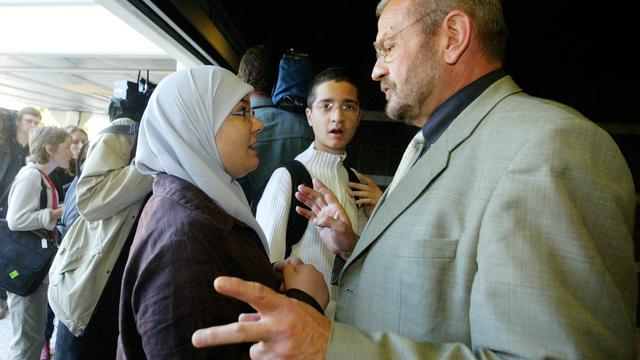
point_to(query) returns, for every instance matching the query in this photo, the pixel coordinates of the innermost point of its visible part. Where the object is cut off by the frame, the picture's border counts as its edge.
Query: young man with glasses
(507, 234)
(333, 112)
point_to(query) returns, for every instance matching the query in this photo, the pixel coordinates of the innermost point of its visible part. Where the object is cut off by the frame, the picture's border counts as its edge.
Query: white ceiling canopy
(66, 55)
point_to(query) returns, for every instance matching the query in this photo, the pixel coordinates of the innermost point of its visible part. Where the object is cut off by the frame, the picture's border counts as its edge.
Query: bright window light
(73, 29)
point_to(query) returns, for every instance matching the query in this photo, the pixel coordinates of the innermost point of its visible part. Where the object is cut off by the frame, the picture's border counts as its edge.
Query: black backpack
(296, 223)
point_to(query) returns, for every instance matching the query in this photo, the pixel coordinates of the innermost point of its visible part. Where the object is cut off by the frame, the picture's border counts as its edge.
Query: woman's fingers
(366, 201)
(358, 186)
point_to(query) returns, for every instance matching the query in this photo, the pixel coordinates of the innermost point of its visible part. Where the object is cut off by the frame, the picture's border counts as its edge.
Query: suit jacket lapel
(431, 164)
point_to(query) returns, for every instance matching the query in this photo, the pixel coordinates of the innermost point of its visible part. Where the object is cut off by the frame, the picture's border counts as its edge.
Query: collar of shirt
(258, 102)
(453, 106)
(190, 197)
(329, 158)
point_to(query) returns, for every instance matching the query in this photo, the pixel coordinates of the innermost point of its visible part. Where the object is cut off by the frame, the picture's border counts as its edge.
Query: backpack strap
(263, 107)
(43, 194)
(112, 129)
(5, 197)
(4, 200)
(126, 130)
(296, 223)
(352, 175)
(121, 129)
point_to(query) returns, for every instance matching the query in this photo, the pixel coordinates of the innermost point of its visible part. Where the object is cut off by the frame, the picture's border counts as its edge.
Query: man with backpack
(334, 113)
(285, 133)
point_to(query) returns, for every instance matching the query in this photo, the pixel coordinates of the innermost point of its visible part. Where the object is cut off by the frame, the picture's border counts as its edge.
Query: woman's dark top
(183, 242)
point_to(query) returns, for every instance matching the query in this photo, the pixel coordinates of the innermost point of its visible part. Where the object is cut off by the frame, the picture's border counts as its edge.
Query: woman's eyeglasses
(247, 113)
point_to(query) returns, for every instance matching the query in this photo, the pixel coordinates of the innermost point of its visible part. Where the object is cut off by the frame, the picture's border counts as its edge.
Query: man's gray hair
(488, 20)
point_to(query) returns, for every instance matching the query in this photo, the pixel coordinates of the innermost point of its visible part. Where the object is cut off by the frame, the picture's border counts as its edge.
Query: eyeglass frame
(243, 113)
(333, 107)
(35, 123)
(381, 53)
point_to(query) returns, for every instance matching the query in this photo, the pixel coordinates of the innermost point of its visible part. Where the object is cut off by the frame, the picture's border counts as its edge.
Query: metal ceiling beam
(55, 105)
(37, 94)
(45, 84)
(78, 70)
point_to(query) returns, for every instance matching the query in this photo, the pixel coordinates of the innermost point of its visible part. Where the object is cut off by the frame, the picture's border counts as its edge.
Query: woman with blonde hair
(49, 149)
(62, 178)
(78, 138)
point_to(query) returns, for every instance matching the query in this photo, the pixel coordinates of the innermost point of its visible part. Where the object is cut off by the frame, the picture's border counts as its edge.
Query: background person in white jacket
(333, 111)
(84, 287)
(49, 149)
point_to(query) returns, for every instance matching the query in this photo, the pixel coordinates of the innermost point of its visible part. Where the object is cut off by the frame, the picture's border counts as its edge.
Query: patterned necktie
(410, 156)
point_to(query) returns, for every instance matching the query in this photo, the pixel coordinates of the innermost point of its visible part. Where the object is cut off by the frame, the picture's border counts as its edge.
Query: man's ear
(307, 111)
(457, 29)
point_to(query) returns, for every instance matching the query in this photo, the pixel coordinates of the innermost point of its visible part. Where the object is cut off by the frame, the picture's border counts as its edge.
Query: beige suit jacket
(509, 238)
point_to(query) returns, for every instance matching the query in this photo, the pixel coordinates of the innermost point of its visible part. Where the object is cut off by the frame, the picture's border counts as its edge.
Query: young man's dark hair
(336, 74)
(259, 67)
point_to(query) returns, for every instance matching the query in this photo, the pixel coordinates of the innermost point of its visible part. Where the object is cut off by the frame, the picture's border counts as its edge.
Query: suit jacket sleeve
(554, 277)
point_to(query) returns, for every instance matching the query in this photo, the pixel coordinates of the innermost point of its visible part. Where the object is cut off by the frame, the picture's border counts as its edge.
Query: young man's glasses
(247, 113)
(350, 108)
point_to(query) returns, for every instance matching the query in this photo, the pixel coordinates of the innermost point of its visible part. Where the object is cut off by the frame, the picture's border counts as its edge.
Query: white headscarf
(177, 135)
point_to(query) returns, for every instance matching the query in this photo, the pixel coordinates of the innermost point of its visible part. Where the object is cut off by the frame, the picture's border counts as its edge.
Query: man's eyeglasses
(350, 108)
(384, 53)
(33, 122)
(247, 113)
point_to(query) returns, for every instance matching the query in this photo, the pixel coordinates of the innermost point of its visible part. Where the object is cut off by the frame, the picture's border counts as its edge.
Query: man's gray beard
(404, 113)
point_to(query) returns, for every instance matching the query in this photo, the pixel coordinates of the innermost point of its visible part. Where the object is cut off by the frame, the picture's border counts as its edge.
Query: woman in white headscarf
(197, 136)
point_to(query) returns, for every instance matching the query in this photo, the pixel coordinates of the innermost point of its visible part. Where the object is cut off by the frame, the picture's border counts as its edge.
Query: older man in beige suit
(506, 232)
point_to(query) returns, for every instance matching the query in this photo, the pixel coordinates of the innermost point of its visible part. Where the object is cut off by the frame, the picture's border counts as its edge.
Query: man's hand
(329, 217)
(283, 328)
(366, 192)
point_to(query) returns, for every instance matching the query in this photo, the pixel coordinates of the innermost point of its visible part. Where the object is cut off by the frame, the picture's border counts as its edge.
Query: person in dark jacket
(197, 136)
(286, 132)
(14, 148)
